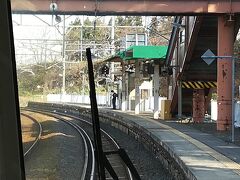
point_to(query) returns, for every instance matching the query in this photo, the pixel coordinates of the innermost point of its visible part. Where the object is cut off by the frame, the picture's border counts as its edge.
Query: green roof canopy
(144, 52)
(140, 52)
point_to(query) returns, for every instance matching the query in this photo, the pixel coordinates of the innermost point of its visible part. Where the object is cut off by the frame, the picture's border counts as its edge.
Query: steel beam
(11, 153)
(126, 7)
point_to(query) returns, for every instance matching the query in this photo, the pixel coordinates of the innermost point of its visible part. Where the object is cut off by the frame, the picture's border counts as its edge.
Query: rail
(37, 138)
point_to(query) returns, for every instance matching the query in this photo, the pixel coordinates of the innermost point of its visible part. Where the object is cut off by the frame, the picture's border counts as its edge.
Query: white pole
(113, 36)
(123, 87)
(128, 106)
(81, 41)
(233, 103)
(63, 56)
(156, 91)
(112, 51)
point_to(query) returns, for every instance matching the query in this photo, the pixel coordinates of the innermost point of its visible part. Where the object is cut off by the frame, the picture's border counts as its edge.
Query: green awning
(144, 52)
(140, 53)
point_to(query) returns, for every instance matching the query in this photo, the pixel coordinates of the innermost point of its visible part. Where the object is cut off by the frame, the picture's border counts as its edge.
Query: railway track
(146, 154)
(88, 161)
(37, 137)
(109, 144)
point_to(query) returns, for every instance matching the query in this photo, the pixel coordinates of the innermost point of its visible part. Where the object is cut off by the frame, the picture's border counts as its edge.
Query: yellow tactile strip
(227, 162)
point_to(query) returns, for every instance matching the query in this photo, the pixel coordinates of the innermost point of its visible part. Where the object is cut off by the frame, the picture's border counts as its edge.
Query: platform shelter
(140, 64)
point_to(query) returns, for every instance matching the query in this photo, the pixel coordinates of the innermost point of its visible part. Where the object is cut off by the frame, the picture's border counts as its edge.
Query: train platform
(202, 155)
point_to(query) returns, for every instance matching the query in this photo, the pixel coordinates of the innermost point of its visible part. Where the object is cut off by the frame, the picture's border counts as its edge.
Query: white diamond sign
(208, 57)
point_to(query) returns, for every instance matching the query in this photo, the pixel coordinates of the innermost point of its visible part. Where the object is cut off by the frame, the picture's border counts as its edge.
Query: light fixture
(230, 16)
(53, 7)
(58, 18)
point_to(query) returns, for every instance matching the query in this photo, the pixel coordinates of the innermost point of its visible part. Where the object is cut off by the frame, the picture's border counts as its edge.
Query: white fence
(80, 99)
(237, 112)
(145, 105)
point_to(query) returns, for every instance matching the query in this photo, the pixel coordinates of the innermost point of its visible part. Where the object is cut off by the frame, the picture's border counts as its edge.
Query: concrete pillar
(156, 91)
(119, 92)
(198, 105)
(224, 74)
(124, 102)
(137, 89)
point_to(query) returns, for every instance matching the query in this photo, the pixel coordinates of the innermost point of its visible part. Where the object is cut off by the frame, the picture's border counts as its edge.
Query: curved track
(109, 143)
(34, 143)
(88, 161)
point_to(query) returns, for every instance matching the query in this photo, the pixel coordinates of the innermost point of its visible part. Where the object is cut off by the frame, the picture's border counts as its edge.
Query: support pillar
(179, 98)
(224, 74)
(128, 107)
(137, 89)
(156, 91)
(124, 102)
(208, 99)
(198, 105)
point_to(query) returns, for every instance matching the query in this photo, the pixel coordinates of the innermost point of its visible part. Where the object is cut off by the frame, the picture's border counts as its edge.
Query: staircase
(201, 34)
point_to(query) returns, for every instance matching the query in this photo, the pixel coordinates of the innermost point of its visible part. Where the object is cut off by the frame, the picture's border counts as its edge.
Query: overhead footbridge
(193, 80)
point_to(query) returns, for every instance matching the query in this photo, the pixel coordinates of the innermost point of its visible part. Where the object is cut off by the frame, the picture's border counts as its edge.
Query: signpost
(209, 57)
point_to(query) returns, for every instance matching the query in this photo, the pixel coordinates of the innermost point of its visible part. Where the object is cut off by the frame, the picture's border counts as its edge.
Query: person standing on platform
(114, 98)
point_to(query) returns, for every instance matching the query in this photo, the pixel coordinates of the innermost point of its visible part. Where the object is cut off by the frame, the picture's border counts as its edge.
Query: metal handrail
(173, 39)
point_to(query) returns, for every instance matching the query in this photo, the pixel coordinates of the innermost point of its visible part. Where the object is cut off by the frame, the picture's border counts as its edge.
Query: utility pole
(81, 38)
(112, 53)
(81, 41)
(112, 36)
(63, 57)
(45, 70)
